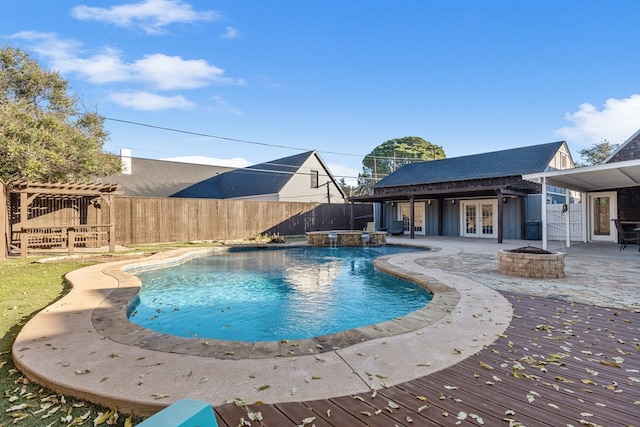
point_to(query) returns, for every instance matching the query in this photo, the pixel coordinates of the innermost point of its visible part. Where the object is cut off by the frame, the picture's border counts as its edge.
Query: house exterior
(609, 191)
(300, 178)
(481, 195)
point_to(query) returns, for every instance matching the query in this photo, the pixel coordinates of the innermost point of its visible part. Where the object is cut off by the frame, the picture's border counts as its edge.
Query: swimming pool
(274, 294)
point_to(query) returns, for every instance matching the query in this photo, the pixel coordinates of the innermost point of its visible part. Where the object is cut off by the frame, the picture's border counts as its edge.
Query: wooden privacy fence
(140, 220)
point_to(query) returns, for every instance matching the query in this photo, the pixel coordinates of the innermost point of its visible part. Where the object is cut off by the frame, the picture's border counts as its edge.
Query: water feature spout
(333, 239)
(365, 239)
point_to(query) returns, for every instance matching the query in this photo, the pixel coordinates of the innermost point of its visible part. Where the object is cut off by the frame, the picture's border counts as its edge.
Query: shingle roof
(628, 150)
(161, 178)
(260, 179)
(505, 163)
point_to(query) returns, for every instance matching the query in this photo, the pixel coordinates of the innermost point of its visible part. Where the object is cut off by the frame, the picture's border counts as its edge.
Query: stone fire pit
(531, 262)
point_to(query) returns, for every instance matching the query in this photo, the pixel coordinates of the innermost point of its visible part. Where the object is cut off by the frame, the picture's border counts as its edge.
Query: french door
(479, 218)
(404, 213)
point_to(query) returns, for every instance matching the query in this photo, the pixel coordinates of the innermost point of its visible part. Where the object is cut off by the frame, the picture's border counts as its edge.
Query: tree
(597, 153)
(392, 155)
(45, 135)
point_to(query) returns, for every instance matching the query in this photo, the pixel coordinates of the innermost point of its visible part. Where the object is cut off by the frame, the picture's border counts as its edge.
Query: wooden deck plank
(271, 415)
(558, 363)
(329, 411)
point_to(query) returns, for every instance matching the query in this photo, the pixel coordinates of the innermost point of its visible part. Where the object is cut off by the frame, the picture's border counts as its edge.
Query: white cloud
(150, 15)
(147, 101)
(236, 162)
(173, 72)
(230, 33)
(158, 71)
(616, 121)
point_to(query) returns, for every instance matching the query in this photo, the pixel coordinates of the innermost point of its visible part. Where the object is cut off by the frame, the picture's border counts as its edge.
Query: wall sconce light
(429, 202)
(504, 200)
(453, 201)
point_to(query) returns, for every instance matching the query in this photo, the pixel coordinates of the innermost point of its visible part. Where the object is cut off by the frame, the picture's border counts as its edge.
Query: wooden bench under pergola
(61, 215)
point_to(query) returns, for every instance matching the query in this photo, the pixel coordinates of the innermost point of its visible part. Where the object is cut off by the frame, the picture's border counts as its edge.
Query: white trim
(567, 203)
(478, 228)
(543, 202)
(416, 219)
(613, 209)
(593, 178)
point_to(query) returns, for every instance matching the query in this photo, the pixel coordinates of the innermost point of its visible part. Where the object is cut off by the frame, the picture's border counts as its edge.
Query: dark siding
(533, 208)
(630, 151)
(451, 218)
(431, 217)
(629, 204)
(511, 219)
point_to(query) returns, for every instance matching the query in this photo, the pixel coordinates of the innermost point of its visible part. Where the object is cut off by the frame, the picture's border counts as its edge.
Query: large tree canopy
(597, 153)
(392, 155)
(44, 133)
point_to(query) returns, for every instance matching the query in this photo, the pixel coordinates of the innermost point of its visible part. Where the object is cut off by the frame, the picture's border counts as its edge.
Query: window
(314, 179)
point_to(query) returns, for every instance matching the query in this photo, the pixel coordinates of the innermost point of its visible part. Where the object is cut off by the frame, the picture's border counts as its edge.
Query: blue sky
(340, 77)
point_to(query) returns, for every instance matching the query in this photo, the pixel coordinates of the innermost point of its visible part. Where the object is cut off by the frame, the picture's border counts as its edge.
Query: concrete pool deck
(62, 348)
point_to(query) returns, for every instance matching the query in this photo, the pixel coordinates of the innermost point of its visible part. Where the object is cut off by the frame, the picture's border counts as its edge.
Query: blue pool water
(274, 294)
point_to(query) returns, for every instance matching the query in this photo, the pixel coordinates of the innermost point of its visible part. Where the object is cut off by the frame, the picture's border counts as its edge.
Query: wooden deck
(558, 364)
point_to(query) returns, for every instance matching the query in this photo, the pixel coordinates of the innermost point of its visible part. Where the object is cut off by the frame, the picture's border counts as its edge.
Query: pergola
(49, 215)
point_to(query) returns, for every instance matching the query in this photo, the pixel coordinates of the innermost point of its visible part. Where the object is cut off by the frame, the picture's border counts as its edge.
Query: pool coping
(62, 346)
(110, 320)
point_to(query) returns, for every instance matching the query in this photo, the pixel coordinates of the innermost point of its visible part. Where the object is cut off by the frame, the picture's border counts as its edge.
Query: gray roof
(505, 163)
(260, 179)
(161, 178)
(628, 150)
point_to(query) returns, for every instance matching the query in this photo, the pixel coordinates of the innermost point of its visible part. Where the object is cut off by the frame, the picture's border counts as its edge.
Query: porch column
(412, 232)
(500, 213)
(544, 212)
(584, 198)
(567, 200)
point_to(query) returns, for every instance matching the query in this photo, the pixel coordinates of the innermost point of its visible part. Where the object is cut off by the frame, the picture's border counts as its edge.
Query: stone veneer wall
(346, 238)
(536, 266)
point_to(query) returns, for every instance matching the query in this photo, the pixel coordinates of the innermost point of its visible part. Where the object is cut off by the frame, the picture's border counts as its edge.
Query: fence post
(24, 242)
(111, 237)
(71, 240)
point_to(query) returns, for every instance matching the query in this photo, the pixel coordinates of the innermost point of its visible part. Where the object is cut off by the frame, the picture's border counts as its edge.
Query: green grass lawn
(26, 287)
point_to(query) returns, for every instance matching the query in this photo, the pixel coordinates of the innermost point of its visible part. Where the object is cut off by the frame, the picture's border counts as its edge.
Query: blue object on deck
(183, 413)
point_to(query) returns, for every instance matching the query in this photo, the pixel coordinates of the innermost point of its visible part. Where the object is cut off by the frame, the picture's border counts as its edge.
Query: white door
(603, 207)
(404, 213)
(479, 218)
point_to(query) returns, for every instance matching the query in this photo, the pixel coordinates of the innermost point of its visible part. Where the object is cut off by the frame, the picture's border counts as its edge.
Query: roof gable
(505, 163)
(260, 179)
(628, 150)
